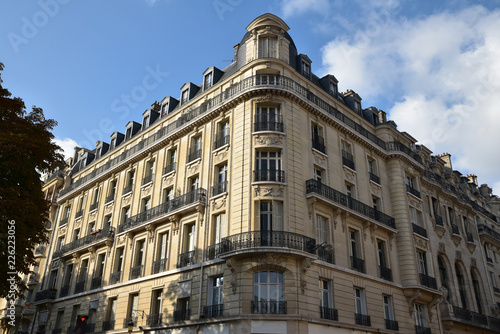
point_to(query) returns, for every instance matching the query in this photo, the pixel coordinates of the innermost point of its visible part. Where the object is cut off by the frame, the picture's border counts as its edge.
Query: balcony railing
(422, 330)
(154, 319)
(374, 177)
(79, 214)
(213, 311)
(193, 155)
(108, 325)
(278, 82)
(348, 160)
(169, 168)
(96, 283)
(219, 188)
(318, 143)
(185, 259)
(313, 186)
(97, 236)
(45, 294)
(428, 281)
(412, 191)
(268, 123)
(357, 264)
(483, 229)
(63, 221)
(419, 230)
(258, 239)
(269, 175)
(391, 325)
(268, 307)
(328, 313)
(385, 273)
(115, 277)
(80, 287)
(476, 319)
(109, 198)
(127, 189)
(93, 206)
(327, 255)
(439, 220)
(126, 321)
(214, 251)
(159, 266)
(198, 195)
(147, 179)
(181, 315)
(56, 331)
(470, 238)
(454, 229)
(136, 272)
(64, 291)
(221, 139)
(362, 319)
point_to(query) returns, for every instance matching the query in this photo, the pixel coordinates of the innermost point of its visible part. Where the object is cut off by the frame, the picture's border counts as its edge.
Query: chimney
(485, 190)
(447, 160)
(156, 106)
(382, 116)
(472, 179)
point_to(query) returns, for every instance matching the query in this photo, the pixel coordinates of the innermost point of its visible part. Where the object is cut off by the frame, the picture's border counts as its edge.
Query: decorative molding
(267, 98)
(175, 224)
(305, 265)
(108, 208)
(78, 223)
(55, 264)
(349, 175)
(127, 199)
(167, 181)
(273, 140)
(473, 262)
(319, 159)
(120, 240)
(421, 243)
(150, 231)
(231, 265)
(146, 190)
(194, 167)
(458, 255)
(442, 248)
(219, 204)
(375, 189)
(93, 215)
(221, 155)
(440, 230)
(62, 231)
(268, 191)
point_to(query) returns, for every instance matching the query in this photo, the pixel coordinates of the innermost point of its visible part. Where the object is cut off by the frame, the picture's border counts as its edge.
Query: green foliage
(26, 150)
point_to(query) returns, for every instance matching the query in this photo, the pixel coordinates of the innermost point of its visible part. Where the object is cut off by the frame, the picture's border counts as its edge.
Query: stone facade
(265, 201)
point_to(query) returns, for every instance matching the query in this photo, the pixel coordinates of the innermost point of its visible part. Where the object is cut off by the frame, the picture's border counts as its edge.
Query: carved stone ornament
(268, 191)
(120, 240)
(108, 208)
(175, 224)
(319, 159)
(473, 262)
(305, 265)
(219, 204)
(221, 155)
(147, 189)
(442, 248)
(458, 255)
(62, 231)
(348, 175)
(167, 181)
(93, 215)
(421, 243)
(267, 98)
(194, 167)
(126, 200)
(150, 231)
(55, 264)
(92, 252)
(471, 247)
(375, 189)
(440, 230)
(231, 264)
(78, 223)
(268, 140)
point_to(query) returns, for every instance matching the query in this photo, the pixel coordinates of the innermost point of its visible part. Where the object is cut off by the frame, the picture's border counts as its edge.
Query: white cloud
(443, 71)
(67, 145)
(297, 7)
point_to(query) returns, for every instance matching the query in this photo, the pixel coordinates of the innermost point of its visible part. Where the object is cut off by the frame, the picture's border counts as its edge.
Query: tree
(26, 151)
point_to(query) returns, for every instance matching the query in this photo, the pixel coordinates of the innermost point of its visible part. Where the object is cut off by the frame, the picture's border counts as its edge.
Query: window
(385, 272)
(268, 118)
(194, 183)
(60, 242)
(461, 286)
(325, 300)
(101, 258)
(59, 318)
(268, 47)
(376, 203)
(222, 135)
(148, 172)
(321, 228)
(271, 219)
(125, 214)
(133, 309)
(359, 305)
(219, 228)
(128, 134)
(318, 174)
(221, 180)
(107, 221)
(333, 88)
(185, 96)
(139, 252)
(477, 292)
(419, 316)
(422, 262)
(76, 234)
(215, 297)
(416, 217)
(318, 140)
(182, 309)
(156, 312)
(411, 186)
(268, 166)
(68, 275)
(306, 68)
(84, 269)
(113, 144)
(357, 263)
(195, 151)
(347, 157)
(145, 122)
(91, 228)
(443, 275)
(53, 279)
(189, 237)
(112, 191)
(389, 313)
(129, 182)
(435, 211)
(171, 161)
(160, 264)
(145, 204)
(168, 194)
(357, 106)
(109, 323)
(118, 265)
(372, 171)
(268, 293)
(208, 80)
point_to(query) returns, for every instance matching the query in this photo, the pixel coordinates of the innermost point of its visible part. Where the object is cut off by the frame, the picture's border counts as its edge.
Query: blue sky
(434, 67)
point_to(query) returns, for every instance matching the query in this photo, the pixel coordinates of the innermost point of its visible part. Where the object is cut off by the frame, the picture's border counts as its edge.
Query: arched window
(477, 291)
(443, 275)
(461, 286)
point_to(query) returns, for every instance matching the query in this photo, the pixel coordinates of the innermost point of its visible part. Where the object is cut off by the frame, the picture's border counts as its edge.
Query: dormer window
(128, 134)
(145, 122)
(333, 88)
(268, 47)
(208, 81)
(306, 68)
(185, 96)
(113, 143)
(357, 105)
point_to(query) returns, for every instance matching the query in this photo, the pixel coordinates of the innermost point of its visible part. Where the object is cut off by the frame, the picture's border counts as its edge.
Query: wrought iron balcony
(318, 143)
(126, 321)
(374, 177)
(93, 206)
(348, 160)
(160, 266)
(419, 230)
(79, 214)
(412, 191)
(198, 195)
(45, 294)
(63, 221)
(94, 237)
(127, 189)
(147, 179)
(115, 277)
(108, 325)
(219, 188)
(268, 307)
(399, 147)
(269, 175)
(169, 168)
(136, 272)
(439, 220)
(362, 319)
(154, 319)
(109, 199)
(80, 286)
(358, 264)
(96, 283)
(392, 325)
(422, 330)
(213, 311)
(193, 155)
(268, 123)
(483, 229)
(221, 139)
(314, 186)
(328, 313)
(259, 239)
(385, 273)
(326, 255)
(454, 229)
(64, 291)
(181, 315)
(185, 259)
(428, 281)
(214, 251)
